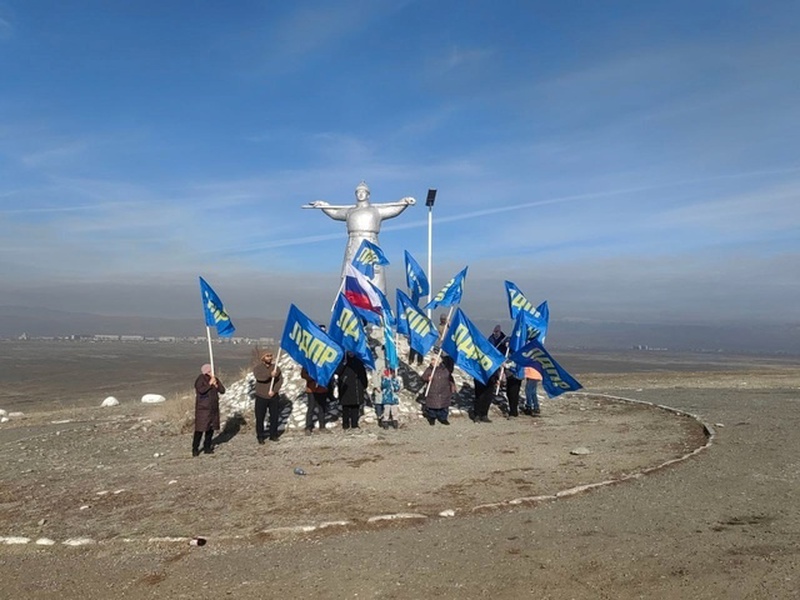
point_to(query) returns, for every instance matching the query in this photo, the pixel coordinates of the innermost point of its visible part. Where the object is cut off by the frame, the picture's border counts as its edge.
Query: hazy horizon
(631, 162)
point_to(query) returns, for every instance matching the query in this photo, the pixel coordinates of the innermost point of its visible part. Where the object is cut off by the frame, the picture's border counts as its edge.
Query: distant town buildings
(164, 339)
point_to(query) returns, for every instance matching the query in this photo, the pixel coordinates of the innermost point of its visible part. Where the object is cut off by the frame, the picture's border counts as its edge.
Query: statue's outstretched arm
(387, 210)
(338, 213)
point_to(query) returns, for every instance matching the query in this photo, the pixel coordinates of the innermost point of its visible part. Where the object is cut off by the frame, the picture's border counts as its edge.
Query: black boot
(196, 443)
(208, 448)
(395, 424)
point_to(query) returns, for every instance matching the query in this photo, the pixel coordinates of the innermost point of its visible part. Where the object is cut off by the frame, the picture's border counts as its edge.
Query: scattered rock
(45, 542)
(153, 399)
(111, 401)
(14, 540)
(580, 451)
(78, 542)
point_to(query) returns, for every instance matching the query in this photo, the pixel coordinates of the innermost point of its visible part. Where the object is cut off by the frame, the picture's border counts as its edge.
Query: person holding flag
(352, 390)
(268, 384)
(206, 409)
(317, 398)
(532, 379)
(473, 353)
(441, 387)
(389, 388)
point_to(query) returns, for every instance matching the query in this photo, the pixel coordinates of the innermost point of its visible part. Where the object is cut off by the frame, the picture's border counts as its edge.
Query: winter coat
(531, 373)
(206, 404)
(352, 382)
(442, 387)
(312, 387)
(263, 375)
(389, 385)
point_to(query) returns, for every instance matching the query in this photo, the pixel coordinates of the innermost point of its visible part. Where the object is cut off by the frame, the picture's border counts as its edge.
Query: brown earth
(721, 524)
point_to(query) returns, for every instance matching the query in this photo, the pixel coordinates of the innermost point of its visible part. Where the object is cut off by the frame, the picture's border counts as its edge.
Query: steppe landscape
(696, 454)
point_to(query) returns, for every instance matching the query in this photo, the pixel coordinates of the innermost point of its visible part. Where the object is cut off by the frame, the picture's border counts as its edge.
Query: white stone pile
(6, 416)
(238, 397)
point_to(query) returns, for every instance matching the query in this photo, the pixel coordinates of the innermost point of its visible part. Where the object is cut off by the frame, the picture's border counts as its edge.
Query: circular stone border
(382, 519)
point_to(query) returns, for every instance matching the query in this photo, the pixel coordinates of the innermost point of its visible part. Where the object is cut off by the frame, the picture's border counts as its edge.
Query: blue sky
(622, 160)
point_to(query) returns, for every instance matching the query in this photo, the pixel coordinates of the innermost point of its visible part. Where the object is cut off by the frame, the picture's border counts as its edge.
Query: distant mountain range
(565, 333)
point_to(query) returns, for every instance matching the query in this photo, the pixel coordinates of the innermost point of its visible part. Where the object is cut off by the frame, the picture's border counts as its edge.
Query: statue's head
(362, 192)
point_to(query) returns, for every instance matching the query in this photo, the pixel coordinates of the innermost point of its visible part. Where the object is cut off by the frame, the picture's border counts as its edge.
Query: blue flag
(214, 311)
(346, 330)
(310, 347)
(416, 280)
(390, 348)
(451, 293)
(415, 324)
(544, 319)
(555, 380)
(470, 350)
(518, 302)
(367, 256)
(524, 331)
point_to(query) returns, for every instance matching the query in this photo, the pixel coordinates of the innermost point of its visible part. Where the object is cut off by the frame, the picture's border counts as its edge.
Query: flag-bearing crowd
(336, 357)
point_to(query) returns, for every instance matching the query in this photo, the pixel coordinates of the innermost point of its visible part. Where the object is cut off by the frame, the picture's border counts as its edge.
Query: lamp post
(429, 203)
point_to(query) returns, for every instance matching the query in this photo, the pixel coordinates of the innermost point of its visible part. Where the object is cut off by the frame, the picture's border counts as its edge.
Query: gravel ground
(721, 524)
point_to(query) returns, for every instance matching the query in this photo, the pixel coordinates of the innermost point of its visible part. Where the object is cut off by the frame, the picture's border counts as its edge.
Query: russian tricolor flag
(359, 292)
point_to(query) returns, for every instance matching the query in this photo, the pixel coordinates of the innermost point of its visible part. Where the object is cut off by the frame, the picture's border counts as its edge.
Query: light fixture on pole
(429, 203)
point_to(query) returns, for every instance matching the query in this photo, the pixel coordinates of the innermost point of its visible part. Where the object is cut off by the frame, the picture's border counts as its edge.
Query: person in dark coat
(317, 396)
(513, 385)
(499, 340)
(206, 409)
(441, 390)
(268, 385)
(352, 390)
(484, 393)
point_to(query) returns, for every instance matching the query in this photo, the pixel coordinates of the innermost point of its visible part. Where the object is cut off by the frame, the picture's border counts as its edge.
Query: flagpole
(272, 375)
(210, 351)
(439, 356)
(341, 287)
(502, 371)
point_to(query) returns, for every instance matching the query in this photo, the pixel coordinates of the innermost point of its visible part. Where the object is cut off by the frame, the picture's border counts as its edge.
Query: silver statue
(363, 223)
